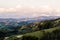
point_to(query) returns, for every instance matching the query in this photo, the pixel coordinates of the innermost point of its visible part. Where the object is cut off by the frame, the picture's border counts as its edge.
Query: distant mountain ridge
(26, 19)
(13, 22)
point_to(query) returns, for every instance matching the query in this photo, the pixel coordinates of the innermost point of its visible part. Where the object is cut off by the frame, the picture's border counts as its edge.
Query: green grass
(51, 29)
(39, 34)
(36, 34)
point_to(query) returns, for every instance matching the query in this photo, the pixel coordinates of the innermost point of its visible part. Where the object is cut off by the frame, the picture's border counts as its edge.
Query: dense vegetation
(54, 35)
(44, 30)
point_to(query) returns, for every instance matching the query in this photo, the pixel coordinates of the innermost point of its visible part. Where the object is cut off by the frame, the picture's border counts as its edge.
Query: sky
(29, 8)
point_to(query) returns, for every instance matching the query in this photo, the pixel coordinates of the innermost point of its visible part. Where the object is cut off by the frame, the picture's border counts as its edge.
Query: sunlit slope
(41, 33)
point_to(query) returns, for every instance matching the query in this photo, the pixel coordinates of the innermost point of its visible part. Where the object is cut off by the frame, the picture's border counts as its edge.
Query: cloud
(25, 8)
(7, 9)
(31, 11)
(10, 10)
(41, 14)
(18, 6)
(2, 9)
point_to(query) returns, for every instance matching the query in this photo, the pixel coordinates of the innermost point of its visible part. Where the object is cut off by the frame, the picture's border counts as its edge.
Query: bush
(55, 35)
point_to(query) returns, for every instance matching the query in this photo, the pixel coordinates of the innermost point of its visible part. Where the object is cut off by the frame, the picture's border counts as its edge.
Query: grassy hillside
(41, 32)
(33, 31)
(34, 35)
(47, 34)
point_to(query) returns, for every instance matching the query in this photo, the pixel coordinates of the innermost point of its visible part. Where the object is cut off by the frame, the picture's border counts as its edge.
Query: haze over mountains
(15, 21)
(27, 19)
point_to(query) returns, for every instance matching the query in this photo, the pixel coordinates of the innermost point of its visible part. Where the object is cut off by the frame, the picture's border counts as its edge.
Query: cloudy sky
(29, 8)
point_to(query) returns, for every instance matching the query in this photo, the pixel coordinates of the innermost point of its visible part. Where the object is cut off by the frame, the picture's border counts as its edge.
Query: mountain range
(13, 22)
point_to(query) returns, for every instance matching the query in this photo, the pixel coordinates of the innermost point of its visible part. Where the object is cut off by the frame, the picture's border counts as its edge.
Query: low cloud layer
(26, 11)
